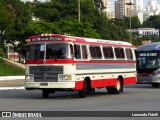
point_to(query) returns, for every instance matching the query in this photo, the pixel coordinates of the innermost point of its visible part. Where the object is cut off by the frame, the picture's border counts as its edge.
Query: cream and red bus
(57, 62)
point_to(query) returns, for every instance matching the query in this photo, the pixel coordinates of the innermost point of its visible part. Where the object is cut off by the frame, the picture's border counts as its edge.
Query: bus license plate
(43, 84)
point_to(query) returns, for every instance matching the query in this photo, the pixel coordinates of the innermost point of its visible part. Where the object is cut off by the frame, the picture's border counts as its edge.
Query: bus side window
(77, 51)
(119, 53)
(84, 52)
(108, 52)
(129, 54)
(95, 52)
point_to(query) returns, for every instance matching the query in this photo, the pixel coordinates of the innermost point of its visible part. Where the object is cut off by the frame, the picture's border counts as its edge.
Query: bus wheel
(82, 93)
(45, 93)
(155, 85)
(116, 89)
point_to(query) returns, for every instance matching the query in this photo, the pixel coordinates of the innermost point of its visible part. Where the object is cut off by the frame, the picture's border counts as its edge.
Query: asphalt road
(134, 98)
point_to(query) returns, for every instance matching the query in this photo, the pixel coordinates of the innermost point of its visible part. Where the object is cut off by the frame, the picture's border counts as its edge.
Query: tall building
(129, 8)
(122, 9)
(108, 10)
(137, 5)
(152, 5)
(138, 9)
(152, 8)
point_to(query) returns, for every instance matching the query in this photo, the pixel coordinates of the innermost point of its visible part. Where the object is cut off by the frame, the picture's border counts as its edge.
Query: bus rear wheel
(117, 88)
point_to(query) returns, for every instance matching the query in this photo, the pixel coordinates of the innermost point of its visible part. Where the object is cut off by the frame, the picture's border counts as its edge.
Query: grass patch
(8, 69)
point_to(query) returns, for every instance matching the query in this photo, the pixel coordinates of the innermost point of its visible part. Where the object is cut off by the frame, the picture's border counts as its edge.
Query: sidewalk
(12, 82)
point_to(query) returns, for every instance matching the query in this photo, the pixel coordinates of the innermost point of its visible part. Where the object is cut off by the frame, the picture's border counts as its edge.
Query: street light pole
(79, 13)
(130, 20)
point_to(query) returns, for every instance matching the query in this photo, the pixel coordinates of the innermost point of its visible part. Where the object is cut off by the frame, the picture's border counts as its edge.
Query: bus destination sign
(147, 54)
(46, 38)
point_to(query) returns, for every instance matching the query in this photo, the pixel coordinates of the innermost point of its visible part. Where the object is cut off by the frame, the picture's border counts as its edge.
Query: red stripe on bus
(71, 61)
(50, 61)
(105, 83)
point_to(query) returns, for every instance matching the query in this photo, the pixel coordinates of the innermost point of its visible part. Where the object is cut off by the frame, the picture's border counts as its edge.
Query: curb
(7, 78)
(12, 77)
(11, 88)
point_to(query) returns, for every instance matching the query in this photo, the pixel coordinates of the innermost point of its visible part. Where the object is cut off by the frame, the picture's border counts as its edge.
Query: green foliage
(57, 16)
(93, 22)
(74, 28)
(153, 22)
(135, 22)
(41, 27)
(1, 56)
(6, 23)
(10, 70)
(19, 14)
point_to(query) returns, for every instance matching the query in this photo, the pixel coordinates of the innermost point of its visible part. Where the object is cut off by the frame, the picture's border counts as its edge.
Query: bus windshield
(148, 63)
(53, 51)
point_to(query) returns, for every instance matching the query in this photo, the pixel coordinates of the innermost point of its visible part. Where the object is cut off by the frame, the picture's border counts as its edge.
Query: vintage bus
(58, 62)
(148, 64)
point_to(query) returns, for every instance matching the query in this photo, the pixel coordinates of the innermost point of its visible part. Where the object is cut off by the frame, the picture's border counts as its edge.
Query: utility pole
(79, 11)
(130, 20)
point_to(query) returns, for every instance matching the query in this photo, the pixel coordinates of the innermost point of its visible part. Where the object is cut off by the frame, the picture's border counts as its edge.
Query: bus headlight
(29, 77)
(65, 77)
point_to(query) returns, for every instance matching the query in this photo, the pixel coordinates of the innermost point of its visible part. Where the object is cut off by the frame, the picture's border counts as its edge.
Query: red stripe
(130, 80)
(68, 61)
(105, 82)
(72, 61)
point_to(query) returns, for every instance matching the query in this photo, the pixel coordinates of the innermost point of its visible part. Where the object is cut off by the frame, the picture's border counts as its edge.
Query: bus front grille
(46, 73)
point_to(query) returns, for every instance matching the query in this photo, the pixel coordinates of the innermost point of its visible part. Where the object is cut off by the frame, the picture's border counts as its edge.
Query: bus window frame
(95, 58)
(112, 52)
(119, 52)
(130, 54)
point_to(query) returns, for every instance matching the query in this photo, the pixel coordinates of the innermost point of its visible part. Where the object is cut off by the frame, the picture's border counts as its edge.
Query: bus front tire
(45, 93)
(117, 88)
(82, 93)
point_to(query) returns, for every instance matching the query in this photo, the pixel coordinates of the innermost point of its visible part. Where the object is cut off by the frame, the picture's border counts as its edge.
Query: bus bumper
(148, 79)
(41, 85)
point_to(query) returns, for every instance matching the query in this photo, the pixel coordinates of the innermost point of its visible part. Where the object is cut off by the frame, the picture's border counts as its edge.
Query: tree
(22, 15)
(72, 27)
(61, 11)
(152, 21)
(6, 23)
(135, 22)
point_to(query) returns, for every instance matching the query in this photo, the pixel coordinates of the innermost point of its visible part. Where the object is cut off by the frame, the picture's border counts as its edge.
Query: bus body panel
(70, 73)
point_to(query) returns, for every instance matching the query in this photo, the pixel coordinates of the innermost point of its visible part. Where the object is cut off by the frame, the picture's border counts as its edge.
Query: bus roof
(58, 37)
(149, 47)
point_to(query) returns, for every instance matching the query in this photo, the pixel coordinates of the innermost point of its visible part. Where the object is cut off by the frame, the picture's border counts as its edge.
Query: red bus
(59, 62)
